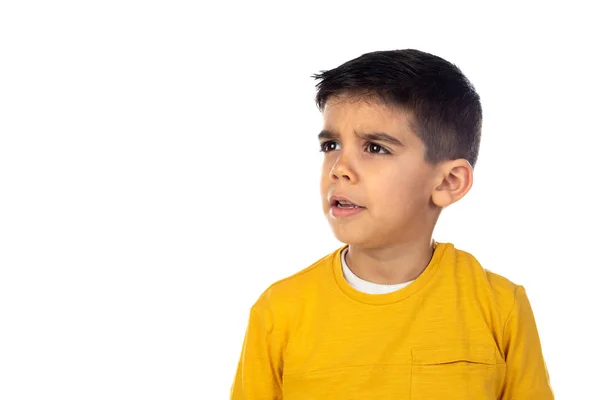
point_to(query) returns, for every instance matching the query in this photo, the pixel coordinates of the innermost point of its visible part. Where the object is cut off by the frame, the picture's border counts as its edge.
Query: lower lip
(339, 212)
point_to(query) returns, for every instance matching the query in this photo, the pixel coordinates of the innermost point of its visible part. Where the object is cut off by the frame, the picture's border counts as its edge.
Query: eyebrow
(370, 136)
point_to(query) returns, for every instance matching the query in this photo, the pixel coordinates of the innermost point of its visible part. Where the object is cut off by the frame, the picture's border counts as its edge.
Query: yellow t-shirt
(457, 332)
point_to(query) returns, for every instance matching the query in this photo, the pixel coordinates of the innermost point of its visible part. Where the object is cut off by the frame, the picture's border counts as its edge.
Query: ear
(454, 181)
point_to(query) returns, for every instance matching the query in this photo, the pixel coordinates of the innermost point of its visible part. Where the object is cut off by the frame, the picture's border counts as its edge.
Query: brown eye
(328, 146)
(376, 149)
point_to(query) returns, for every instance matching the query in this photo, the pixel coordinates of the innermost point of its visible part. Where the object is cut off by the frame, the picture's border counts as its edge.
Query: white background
(159, 169)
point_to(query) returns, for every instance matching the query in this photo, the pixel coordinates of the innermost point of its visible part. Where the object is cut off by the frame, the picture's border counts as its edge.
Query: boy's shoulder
(500, 288)
(298, 287)
(495, 279)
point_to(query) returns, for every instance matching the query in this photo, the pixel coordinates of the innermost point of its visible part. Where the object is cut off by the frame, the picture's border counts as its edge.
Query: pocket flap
(481, 354)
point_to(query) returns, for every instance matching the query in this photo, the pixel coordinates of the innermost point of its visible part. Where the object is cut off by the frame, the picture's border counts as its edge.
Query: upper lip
(333, 199)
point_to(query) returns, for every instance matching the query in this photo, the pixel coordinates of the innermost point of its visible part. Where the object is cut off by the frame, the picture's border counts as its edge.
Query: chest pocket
(457, 372)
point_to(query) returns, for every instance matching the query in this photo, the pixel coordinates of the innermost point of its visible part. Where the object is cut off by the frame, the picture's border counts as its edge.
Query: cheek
(325, 170)
(324, 180)
(325, 184)
(398, 193)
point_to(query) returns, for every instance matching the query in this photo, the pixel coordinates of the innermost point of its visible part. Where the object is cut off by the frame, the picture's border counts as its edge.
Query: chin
(360, 231)
(353, 236)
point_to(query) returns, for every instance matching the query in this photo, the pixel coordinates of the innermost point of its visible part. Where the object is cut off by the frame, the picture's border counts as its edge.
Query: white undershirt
(365, 286)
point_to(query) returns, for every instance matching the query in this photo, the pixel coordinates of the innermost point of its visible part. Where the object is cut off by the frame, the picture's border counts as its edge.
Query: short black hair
(444, 106)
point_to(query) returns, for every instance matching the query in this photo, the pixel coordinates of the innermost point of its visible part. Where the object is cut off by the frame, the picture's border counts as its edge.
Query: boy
(393, 314)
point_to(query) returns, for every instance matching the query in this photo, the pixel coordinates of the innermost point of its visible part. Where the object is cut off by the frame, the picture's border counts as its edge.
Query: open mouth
(345, 204)
(342, 208)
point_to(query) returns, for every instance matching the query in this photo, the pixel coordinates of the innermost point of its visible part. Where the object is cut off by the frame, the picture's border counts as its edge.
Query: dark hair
(444, 108)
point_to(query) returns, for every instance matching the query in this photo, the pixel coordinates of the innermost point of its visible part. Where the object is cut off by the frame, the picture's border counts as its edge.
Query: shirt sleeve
(258, 375)
(526, 373)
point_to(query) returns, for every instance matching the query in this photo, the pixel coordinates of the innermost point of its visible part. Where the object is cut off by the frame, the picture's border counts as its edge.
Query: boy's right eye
(328, 146)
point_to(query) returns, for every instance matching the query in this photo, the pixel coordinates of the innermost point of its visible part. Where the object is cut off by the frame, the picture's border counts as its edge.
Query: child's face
(393, 189)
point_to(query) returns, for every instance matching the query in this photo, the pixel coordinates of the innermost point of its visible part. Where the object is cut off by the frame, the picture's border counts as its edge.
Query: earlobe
(454, 182)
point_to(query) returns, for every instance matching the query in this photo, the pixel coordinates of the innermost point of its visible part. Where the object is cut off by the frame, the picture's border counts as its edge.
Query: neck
(397, 263)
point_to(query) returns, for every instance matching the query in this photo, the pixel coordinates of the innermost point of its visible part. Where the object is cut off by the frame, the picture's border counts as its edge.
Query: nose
(342, 170)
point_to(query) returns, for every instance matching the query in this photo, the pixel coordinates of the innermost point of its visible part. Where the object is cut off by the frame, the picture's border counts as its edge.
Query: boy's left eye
(376, 149)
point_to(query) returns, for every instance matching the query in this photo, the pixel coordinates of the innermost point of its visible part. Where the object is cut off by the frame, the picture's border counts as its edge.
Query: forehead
(347, 114)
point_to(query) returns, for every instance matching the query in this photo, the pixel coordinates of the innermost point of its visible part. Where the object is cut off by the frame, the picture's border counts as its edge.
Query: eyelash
(385, 153)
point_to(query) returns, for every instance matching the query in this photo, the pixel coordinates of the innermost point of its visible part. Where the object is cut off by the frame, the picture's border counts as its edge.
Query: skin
(390, 240)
